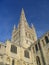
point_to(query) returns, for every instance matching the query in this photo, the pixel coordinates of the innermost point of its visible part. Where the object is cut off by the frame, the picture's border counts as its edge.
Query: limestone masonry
(24, 47)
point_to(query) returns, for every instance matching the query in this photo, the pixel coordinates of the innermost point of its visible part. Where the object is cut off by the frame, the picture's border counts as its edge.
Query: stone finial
(14, 26)
(32, 26)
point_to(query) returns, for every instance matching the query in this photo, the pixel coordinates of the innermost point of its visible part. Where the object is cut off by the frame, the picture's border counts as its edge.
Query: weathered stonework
(24, 47)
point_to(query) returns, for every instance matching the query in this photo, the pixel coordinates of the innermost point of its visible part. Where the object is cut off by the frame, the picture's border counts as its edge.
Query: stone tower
(24, 48)
(24, 35)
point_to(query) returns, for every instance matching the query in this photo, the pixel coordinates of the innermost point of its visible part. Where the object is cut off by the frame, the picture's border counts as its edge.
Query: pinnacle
(14, 26)
(32, 25)
(22, 12)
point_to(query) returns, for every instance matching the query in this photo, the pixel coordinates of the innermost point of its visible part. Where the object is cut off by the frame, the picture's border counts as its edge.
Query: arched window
(12, 62)
(39, 45)
(26, 54)
(13, 49)
(38, 60)
(46, 39)
(36, 47)
(43, 42)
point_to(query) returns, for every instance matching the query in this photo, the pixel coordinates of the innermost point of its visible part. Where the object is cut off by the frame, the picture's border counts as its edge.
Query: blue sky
(36, 11)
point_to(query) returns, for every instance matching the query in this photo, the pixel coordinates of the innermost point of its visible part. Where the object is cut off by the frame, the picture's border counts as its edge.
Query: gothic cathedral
(24, 48)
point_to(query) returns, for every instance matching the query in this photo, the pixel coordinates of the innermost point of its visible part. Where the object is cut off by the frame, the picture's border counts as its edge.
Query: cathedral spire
(22, 17)
(23, 20)
(22, 12)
